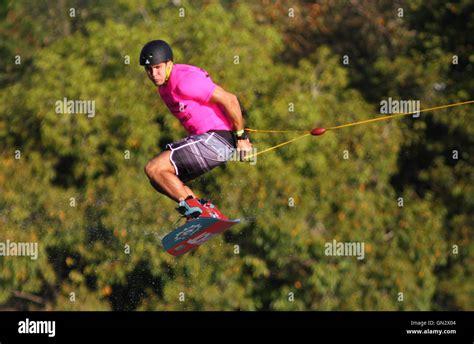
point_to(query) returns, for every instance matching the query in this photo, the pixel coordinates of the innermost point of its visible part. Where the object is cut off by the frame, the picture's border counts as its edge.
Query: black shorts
(198, 154)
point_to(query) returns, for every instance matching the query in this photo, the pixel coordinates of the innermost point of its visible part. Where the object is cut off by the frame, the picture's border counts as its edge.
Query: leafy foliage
(98, 222)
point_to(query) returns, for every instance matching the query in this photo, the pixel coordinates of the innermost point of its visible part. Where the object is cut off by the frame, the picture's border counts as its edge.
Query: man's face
(157, 73)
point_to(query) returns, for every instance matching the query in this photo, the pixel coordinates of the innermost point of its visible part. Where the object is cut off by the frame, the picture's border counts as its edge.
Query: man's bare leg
(189, 191)
(160, 190)
(162, 176)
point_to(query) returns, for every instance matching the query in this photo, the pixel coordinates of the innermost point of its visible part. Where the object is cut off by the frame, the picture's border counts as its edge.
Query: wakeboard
(196, 232)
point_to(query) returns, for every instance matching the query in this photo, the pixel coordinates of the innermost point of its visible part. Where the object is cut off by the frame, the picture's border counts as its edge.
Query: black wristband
(244, 136)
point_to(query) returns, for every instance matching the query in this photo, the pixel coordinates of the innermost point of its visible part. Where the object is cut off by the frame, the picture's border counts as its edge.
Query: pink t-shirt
(187, 93)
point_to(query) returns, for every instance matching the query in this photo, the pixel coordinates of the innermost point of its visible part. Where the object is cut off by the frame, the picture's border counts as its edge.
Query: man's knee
(149, 168)
(156, 166)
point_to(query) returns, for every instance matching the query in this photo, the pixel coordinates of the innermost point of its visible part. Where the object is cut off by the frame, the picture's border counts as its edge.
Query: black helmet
(155, 52)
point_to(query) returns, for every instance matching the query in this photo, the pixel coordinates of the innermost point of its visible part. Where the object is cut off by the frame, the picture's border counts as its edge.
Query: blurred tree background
(76, 184)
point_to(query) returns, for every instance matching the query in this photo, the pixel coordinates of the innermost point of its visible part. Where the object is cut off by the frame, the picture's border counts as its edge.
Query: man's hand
(243, 148)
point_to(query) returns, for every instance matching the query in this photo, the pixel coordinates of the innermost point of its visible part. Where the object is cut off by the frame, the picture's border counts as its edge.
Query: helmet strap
(168, 72)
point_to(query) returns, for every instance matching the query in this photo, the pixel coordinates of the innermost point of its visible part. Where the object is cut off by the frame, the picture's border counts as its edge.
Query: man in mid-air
(212, 117)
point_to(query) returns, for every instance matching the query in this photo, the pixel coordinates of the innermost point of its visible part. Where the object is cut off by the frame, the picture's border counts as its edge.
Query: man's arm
(231, 105)
(232, 108)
